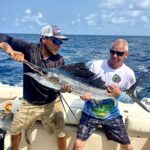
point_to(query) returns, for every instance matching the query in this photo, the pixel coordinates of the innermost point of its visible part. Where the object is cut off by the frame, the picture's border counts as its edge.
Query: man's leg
(15, 140)
(23, 118)
(58, 123)
(78, 144)
(126, 147)
(86, 127)
(53, 121)
(116, 131)
(61, 143)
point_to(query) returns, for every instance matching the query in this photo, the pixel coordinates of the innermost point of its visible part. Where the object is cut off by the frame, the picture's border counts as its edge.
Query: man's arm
(121, 96)
(124, 98)
(16, 44)
(18, 56)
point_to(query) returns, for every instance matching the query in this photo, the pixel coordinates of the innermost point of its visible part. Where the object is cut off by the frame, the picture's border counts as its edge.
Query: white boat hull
(136, 119)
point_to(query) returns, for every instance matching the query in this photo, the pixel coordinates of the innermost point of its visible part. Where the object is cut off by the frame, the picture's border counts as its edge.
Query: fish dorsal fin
(81, 72)
(78, 69)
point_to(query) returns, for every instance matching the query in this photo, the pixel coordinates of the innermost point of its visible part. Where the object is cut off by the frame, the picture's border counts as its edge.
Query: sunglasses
(56, 41)
(113, 52)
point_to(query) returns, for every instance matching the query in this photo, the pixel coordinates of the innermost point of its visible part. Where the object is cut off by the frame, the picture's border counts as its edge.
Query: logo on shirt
(116, 78)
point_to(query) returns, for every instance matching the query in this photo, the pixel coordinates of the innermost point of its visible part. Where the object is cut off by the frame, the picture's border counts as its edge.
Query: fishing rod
(62, 98)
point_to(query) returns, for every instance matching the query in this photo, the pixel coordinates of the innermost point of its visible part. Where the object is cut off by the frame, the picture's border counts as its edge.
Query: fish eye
(54, 79)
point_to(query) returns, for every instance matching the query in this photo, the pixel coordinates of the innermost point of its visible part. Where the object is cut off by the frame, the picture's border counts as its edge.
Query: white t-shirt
(123, 77)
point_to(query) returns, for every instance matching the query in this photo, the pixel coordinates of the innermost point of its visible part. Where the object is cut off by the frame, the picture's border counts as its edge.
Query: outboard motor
(2, 138)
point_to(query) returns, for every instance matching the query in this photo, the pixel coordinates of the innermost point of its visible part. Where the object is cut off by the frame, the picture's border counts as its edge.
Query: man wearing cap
(39, 102)
(118, 77)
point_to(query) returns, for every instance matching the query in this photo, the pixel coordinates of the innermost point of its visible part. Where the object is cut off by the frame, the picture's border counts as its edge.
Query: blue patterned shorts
(114, 128)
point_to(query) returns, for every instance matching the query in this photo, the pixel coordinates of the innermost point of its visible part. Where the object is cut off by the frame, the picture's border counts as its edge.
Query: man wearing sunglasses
(117, 77)
(39, 102)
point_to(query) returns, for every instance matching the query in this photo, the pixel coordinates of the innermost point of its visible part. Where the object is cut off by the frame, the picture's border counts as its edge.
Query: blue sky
(90, 17)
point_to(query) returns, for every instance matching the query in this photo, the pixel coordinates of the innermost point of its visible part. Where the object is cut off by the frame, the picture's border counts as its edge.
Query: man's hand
(66, 88)
(86, 96)
(18, 56)
(113, 90)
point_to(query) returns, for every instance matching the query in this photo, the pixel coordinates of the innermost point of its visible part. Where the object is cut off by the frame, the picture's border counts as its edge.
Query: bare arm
(86, 96)
(6, 47)
(18, 56)
(118, 94)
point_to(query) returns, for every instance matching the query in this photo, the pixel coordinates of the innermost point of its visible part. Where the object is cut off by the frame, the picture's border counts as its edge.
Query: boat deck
(136, 119)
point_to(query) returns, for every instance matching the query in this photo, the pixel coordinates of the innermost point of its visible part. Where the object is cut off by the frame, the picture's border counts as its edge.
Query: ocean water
(83, 48)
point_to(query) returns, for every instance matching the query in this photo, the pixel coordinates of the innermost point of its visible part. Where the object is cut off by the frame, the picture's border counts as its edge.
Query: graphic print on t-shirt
(116, 78)
(102, 109)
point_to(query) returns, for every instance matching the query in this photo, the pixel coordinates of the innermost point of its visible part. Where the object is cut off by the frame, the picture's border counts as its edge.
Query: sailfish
(80, 79)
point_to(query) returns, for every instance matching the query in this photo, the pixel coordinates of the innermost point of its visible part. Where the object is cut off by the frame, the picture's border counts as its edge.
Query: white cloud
(115, 3)
(34, 19)
(73, 22)
(131, 6)
(106, 15)
(111, 3)
(145, 19)
(16, 22)
(145, 4)
(29, 19)
(28, 11)
(124, 11)
(92, 19)
(119, 20)
(124, 4)
(40, 15)
(135, 13)
(77, 21)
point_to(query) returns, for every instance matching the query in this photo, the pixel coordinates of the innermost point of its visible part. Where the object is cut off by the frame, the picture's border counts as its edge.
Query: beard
(50, 50)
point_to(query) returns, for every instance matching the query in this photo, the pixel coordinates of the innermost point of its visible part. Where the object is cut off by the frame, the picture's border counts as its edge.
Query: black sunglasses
(113, 52)
(55, 41)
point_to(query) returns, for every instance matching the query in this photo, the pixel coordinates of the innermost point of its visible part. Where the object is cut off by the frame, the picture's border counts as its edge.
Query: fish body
(81, 80)
(77, 76)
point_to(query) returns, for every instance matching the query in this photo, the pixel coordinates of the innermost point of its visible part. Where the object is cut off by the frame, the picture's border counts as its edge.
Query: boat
(136, 119)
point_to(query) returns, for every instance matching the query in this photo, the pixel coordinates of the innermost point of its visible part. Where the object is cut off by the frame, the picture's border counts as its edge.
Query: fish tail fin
(132, 88)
